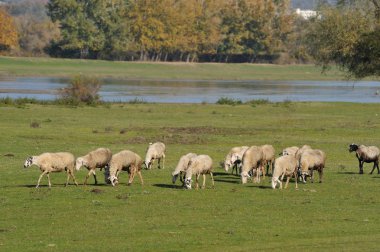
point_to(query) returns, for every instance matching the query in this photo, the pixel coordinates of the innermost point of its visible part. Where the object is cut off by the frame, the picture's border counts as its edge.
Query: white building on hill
(306, 14)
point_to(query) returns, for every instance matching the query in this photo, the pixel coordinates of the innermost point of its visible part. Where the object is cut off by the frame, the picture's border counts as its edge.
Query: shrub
(228, 101)
(81, 89)
(137, 101)
(258, 102)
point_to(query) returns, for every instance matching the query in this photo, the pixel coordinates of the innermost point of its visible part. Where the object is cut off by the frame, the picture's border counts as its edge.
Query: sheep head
(148, 163)
(353, 147)
(188, 183)
(174, 178)
(244, 177)
(227, 166)
(79, 163)
(114, 180)
(29, 161)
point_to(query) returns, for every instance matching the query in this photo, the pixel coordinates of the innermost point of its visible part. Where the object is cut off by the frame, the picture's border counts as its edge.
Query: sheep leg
(94, 174)
(141, 179)
(374, 166)
(295, 176)
(287, 181)
(312, 176)
(263, 169)
(360, 167)
(204, 181)
(48, 176)
(320, 171)
(132, 172)
(196, 181)
(163, 161)
(70, 173)
(181, 177)
(233, 168)
(212, 179)
(159, 163)
(88, 175)
(39, 180)
(258, 174)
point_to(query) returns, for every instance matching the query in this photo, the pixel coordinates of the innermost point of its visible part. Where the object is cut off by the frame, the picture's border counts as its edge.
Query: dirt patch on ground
(168, 139)
(198, 130)
(185, 135)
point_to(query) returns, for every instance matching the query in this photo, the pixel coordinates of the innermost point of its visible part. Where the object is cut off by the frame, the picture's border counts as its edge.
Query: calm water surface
(202, 91)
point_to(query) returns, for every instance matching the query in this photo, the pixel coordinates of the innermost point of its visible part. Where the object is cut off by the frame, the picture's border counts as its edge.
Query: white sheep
(290, 151)
(125, 160)
(155, 151)
(269, 156)
(234, 157)
(284, 166)
(98, 158)
(182, 166)
(312, 159)
(252, 161)
(301, 150)
(53, 162)
(367, 154)
(201, 164)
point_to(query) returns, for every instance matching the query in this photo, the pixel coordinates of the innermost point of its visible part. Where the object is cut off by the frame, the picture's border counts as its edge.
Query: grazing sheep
(252, 161)
(155, 151)
(312, 159)
(233, 158)
(284, 166)
(127, 161)
(98, 158)
(301, 150)
(53, 162)
(201, 164)
(268, 158)
(298, 157)
(367, 154)
(182, 166)
(290, 151)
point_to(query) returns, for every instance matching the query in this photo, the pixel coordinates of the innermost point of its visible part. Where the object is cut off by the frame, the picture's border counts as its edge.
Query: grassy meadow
(340, 214)
(10, 66)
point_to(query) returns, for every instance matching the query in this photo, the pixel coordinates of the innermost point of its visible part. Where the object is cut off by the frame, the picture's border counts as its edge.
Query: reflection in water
(184, 91)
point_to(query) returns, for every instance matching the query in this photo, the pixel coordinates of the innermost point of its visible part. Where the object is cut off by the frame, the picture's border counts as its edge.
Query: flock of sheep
(254, 161)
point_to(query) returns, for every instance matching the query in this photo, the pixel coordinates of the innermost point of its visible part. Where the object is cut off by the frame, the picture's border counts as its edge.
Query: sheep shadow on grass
(347, 172)
(169, 186)
(34, 186)
(261, 186)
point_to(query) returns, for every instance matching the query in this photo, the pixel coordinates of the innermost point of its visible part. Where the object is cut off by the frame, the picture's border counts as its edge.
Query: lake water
(190, 91)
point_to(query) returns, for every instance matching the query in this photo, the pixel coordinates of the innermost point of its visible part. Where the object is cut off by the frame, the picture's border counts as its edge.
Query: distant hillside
(302, 4)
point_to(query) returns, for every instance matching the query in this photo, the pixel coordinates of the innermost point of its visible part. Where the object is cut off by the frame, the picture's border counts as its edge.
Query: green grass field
(341, 214)
(144, 70)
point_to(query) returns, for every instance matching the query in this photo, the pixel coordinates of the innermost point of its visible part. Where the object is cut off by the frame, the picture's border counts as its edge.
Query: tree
(255, 27)
(366, 56)
(87, 25)
(8, 33)
(343, 36)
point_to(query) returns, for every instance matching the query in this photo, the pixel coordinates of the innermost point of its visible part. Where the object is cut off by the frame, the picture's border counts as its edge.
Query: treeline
(172, 30)
(159, 30)
(346, 33)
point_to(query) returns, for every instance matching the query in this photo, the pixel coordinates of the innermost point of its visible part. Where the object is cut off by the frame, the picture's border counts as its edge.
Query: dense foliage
(8, 33)
(348, 36)
(181, 30)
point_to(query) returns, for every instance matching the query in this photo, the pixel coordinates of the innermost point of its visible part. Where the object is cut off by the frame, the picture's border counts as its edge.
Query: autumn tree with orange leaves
(8, 33)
